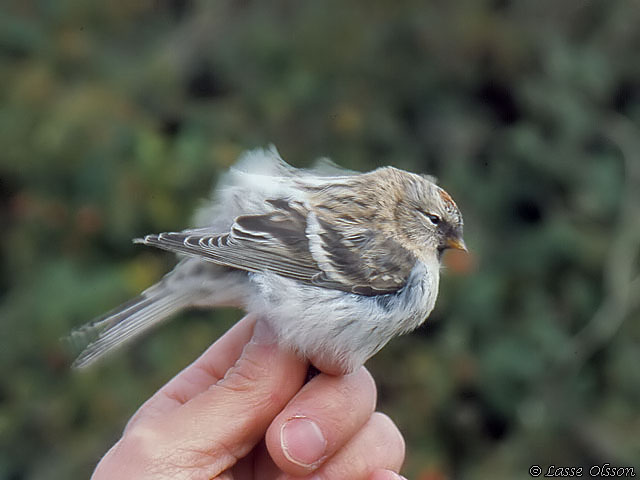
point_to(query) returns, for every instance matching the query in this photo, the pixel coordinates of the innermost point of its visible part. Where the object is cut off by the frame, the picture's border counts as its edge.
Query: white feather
(346, 327)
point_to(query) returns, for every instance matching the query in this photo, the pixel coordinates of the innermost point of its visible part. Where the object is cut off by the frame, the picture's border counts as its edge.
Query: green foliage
(117, 116)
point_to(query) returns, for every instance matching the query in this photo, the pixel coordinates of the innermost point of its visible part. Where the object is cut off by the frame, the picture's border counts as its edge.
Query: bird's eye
(435, 219)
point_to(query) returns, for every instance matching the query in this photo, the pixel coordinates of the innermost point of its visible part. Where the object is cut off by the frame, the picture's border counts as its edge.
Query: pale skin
(242, 411)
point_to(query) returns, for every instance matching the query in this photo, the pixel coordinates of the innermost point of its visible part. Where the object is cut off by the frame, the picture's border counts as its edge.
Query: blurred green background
(117, 116)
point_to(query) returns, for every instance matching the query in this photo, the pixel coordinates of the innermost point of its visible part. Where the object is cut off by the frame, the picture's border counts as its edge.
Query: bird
(337, 262)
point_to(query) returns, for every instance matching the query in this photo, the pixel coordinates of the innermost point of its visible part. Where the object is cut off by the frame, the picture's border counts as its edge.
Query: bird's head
(428, 217)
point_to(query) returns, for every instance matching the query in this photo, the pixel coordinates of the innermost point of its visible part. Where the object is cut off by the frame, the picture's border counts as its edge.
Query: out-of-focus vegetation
(117, 116)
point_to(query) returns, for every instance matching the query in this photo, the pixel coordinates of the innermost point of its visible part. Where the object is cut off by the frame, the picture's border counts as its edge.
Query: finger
(201, 374)
(386, 475)
(211, 431)
(320, 419)
(378, 446)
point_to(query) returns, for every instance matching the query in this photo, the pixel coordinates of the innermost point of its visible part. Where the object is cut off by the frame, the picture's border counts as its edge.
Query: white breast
(346, 327)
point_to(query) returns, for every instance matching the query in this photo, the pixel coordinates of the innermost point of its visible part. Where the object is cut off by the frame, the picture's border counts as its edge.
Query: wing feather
(279, 242)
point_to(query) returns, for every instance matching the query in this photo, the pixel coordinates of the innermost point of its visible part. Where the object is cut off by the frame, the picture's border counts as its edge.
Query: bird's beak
(457, 243)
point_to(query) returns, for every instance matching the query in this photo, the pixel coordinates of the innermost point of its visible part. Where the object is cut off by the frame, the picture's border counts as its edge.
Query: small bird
(337, 262)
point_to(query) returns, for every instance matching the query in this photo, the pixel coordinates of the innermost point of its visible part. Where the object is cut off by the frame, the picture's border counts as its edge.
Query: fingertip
(395, 440)
(370, 383)
(263, 333)
(386, 475)
(302, 442)
(321, 418)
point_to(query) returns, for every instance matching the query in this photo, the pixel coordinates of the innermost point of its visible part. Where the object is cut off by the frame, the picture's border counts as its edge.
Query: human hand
(242, 411)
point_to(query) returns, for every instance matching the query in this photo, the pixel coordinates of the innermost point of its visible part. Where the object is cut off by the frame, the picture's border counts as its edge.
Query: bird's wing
(368, 261)
(274, 242)
(278, 242)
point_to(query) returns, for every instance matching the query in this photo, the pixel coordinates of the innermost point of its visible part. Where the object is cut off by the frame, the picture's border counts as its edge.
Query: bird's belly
(342, 327)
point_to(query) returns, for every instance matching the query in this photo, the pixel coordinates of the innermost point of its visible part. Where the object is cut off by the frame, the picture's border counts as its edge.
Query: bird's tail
(126, 322)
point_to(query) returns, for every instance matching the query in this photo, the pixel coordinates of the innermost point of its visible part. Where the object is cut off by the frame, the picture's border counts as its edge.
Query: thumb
(234, 414)
(214, 429)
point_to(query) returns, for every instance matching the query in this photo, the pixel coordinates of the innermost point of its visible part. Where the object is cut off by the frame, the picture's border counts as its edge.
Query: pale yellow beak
(457, 243)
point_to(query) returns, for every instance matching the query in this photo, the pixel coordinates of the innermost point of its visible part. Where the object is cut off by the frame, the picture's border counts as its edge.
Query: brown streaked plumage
(284, 242)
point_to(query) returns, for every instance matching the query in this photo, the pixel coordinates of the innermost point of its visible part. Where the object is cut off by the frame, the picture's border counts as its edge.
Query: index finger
(205, 371)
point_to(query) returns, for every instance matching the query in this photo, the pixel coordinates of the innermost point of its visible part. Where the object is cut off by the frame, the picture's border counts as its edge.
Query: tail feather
(125, 323)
